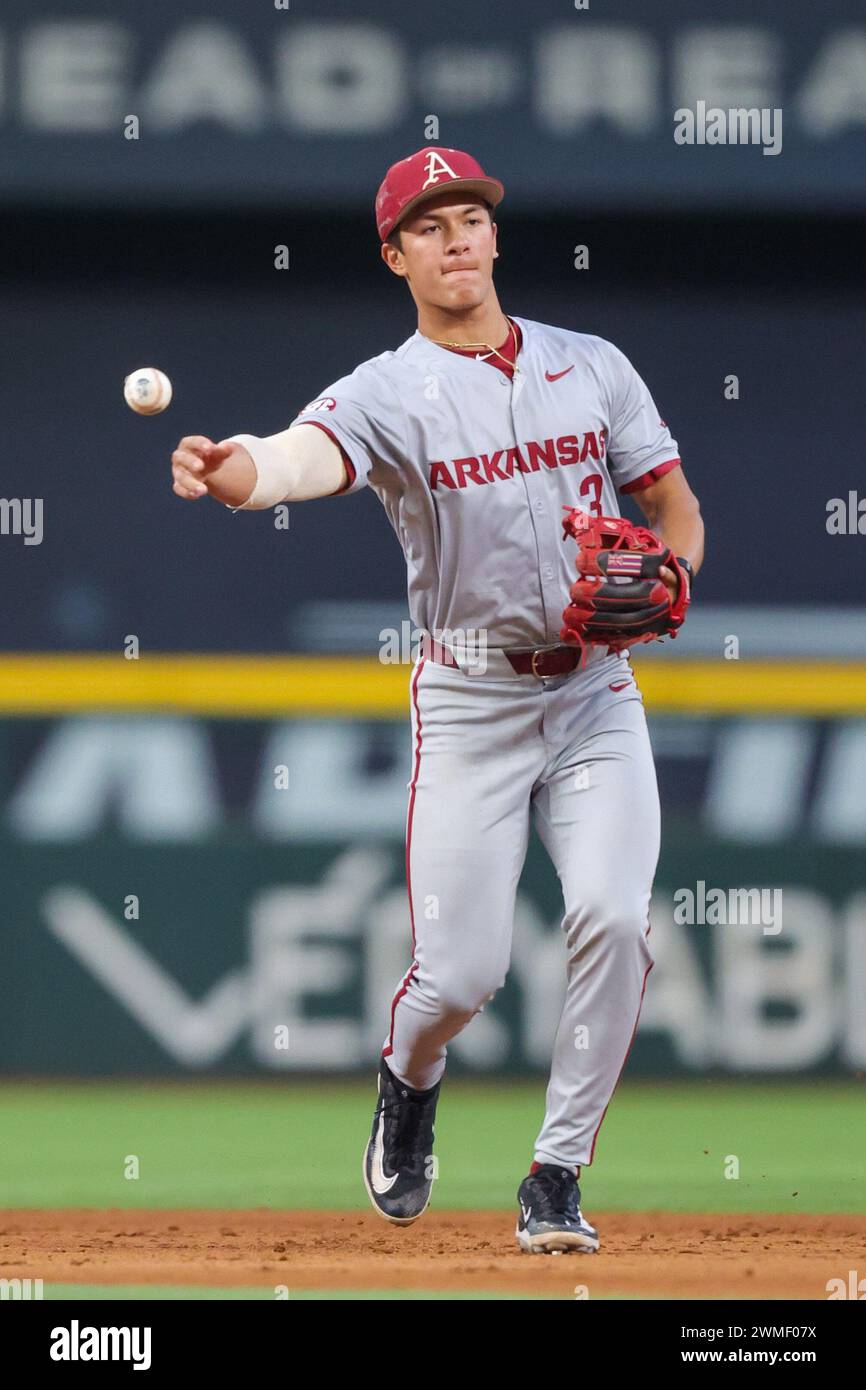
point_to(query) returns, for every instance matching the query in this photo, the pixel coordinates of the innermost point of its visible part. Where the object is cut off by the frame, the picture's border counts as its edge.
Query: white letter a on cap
(436, 167)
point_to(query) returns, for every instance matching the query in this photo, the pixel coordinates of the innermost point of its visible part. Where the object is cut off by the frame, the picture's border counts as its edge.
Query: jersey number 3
(591, 486)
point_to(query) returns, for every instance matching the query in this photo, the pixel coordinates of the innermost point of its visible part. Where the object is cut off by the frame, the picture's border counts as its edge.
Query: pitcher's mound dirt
(645, 1254)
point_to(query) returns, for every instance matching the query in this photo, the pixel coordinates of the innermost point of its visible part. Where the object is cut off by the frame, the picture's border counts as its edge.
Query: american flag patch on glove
(626, 562)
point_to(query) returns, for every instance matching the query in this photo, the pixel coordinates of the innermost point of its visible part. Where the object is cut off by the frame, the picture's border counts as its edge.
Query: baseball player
(475, 434)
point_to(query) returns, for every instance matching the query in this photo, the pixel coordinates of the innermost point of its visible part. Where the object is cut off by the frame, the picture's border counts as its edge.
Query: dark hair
(395, 238)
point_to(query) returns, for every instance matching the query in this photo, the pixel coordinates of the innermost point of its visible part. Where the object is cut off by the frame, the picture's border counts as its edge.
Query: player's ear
(495, 235)
(392, 258)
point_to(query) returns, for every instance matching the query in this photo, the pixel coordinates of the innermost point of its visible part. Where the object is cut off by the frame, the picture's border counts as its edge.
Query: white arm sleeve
(296, 465)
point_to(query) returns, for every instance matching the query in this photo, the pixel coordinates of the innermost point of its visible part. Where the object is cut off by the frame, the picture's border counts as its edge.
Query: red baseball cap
(425, 173)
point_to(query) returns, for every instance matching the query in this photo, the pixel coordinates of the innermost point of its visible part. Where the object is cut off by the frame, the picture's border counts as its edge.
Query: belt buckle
(539, 651)
(548, 651)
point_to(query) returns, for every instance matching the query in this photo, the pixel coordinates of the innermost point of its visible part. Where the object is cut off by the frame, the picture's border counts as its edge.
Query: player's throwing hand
(193, 460)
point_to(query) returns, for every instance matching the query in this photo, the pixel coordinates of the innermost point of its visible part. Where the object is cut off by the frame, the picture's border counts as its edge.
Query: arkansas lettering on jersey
(429, 430)
(486, 468)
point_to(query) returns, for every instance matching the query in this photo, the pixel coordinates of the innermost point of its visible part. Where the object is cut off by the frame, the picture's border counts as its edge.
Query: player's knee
(619, 917)
(463, 996)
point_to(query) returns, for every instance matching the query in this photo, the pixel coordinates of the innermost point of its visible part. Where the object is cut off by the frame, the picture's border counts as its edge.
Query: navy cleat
(550, 1220)
(398, 1160)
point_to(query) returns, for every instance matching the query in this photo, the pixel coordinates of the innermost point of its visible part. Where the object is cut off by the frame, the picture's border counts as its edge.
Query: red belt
(542, 662)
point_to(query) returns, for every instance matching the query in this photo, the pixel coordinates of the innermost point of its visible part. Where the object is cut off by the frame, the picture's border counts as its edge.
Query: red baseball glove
(619, 598)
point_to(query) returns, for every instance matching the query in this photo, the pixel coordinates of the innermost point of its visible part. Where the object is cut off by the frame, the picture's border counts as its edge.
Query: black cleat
(550, 1220)
(398, 1160)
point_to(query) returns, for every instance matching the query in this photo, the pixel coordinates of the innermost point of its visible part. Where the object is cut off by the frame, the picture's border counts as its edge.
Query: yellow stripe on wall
(253, 686)
(271, 687)
(759, 687)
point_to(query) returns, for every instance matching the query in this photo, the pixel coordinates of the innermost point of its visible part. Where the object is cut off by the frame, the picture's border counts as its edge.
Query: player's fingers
(192, 493)
(669, 578)
(189, 481)
(185, 458)
(218, 453)
(185, 472)
(196, 443)
(189, 490)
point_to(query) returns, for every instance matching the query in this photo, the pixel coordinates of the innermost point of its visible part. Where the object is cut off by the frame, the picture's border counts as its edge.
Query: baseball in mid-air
(147, 391)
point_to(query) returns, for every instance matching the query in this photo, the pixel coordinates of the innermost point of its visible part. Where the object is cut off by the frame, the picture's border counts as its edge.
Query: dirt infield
(644, 1254)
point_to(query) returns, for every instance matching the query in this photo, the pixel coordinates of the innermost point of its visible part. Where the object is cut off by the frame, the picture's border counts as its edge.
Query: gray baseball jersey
(474, 469)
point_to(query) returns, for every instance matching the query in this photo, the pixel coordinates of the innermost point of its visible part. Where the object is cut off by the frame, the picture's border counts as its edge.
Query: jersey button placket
(547, 569)
(537, 508)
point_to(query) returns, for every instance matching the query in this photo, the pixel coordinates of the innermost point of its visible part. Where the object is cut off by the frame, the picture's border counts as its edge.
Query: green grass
(298, 1144)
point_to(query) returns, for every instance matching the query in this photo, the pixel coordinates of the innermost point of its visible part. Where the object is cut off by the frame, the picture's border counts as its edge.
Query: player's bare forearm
(233, 480)
(673, 512)
(680, 524)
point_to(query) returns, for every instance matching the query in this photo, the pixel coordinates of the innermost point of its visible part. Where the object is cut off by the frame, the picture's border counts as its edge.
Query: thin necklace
(444, 342)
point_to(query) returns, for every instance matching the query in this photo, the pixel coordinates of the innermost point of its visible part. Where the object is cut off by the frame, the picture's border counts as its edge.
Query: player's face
(448, 248)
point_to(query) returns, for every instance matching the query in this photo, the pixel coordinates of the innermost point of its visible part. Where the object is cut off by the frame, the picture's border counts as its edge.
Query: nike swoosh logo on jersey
(554, 376)
(621, 685)
(378, 1179)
